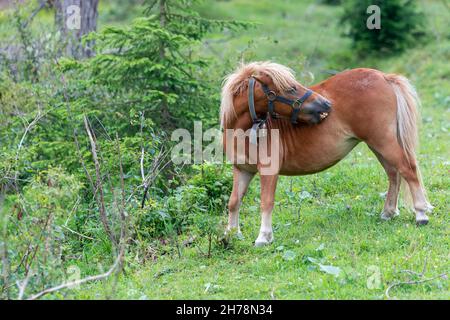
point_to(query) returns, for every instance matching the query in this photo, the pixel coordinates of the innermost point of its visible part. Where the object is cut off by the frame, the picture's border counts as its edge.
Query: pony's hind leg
(268, 187)
(390, 209)
(421, 205)
(395, 156)
(241, 181)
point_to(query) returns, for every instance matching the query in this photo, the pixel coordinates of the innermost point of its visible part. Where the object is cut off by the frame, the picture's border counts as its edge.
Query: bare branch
(156, 168)
(79, 282)
(41, 6)
(123, 216)
(22, 285)
(28, 128)
(77, 233)
(400, 283)
(411, 281)
(75, 206)
(142, 148)
(156, 164)
(99, 184)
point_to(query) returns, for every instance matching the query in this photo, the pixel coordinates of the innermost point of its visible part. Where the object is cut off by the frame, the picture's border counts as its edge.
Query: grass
(303, 36)
(331, 218)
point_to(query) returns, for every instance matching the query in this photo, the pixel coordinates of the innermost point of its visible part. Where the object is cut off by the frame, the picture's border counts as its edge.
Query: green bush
(401, 25)
(42, 227)
(197, 205)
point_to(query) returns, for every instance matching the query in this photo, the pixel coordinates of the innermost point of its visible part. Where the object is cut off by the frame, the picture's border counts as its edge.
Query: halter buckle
(297, 104)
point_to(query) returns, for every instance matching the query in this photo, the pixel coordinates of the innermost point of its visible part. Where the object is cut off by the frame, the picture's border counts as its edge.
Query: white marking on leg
(421, 205)
(265, 233)
(244, 179)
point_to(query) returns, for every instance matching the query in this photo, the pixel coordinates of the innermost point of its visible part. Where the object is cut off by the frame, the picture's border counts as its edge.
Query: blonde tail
(408, 117)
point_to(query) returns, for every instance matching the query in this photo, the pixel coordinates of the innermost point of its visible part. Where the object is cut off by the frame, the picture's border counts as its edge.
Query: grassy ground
(329, 219)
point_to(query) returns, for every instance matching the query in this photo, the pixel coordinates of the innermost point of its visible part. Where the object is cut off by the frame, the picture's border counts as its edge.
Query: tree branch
(41, 6)
(411, 281)
(81, 281)
(99, 196)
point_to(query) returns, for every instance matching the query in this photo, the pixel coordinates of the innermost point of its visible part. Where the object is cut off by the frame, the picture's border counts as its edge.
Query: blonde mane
(236, 82)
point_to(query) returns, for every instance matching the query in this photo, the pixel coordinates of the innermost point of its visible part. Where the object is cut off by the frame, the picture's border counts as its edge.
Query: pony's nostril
(327, 105)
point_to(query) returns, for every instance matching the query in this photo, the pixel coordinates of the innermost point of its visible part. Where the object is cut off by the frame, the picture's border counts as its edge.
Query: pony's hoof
(421, 222)
(385, 215)
(262, 243)
(264, 239)
(421, 219)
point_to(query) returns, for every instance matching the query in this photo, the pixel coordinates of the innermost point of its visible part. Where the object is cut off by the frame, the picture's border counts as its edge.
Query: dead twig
(79, 282)
(42, 5)
(157, 164)
(400, 283)
(22, 285)
(77, 233)
(123, 215)
(412, 281)
(28, 127)
(156, 168)
(75, 206)
(99, 195)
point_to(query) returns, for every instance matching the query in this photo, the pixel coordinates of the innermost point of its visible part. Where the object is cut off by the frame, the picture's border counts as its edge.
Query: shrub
(401, 24)
(198, 206)
(42, 228)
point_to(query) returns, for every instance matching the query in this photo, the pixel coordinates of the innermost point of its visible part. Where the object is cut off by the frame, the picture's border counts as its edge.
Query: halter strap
(272, 97)
(251, 99)
(295, 104)
(257, 122)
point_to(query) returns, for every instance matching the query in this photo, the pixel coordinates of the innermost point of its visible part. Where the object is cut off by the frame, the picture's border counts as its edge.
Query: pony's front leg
(241, 180)
(268, 187)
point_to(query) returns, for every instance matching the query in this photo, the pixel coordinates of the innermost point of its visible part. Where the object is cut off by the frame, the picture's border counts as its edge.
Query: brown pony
(355, 105)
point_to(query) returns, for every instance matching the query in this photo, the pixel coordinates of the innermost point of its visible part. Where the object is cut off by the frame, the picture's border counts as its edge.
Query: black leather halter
(271, 97)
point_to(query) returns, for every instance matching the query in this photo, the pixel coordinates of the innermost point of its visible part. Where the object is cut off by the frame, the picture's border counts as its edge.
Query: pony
(316, 128)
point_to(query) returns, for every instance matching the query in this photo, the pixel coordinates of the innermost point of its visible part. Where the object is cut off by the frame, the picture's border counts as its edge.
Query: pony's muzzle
(325, 108)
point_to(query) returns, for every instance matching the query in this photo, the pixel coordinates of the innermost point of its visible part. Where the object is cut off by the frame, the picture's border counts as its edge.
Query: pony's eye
(292, 90)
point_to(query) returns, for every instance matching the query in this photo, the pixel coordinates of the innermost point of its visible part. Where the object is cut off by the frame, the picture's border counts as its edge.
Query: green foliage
(51, 190)
(152, 65)
(146, 79)
(30, 65)
(215, 183)
(401, 25)
(196, 205)
(40, 230)
(27, 46)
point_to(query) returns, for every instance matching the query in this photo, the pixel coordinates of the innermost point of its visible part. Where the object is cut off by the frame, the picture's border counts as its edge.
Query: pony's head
(277, 79)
